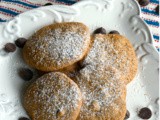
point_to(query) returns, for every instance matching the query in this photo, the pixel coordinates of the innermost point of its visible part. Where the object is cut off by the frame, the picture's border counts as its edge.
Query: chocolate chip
(23, 118)
(20, 42)
(127, 115)
(41, 73)
(100, 30)
(114, 32)
(26, 74)
(157, 9)
(145, 113)
(47, 4)
(144, 2)
(10, 47)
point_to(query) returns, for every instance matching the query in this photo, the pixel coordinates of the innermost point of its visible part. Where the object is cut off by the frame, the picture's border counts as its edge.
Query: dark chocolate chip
(20, 42)
(114, 32)
(23, 118)
(157, 9)
(10, 47)
(41, 73)
(144, 2)
(145, 113)
(47, 4)
(127, 115)
(100, 30)
(26, 74)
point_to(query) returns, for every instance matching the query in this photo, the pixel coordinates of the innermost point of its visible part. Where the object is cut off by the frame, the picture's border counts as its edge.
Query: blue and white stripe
(11, 8)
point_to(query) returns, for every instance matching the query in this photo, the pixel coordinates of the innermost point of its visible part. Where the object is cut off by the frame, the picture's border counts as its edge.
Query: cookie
(116, 51)
(57, 46)
(103, 92)
(53, 96)
(108, 67)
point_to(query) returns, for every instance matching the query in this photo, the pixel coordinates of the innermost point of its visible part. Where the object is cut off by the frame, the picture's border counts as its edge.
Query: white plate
(121, 15)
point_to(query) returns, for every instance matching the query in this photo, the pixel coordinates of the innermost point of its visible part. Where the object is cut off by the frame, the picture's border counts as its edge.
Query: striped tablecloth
(11, 8)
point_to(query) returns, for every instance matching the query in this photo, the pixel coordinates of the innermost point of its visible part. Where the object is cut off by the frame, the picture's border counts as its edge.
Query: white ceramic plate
(121, 15)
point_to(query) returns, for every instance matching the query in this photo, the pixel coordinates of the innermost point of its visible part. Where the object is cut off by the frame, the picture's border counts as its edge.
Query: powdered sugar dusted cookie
(53, 96)
(57, 46)
(103, 92)
(113, 50)
(110, 64)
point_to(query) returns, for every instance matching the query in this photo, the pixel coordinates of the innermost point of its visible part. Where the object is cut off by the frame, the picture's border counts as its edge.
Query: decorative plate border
(61, 13)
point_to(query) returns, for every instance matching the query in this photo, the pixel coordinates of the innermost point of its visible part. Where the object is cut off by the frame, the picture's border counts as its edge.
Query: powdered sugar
(104, 53)
(59, 46)
(53, 93)
(101, 86)
(100, 80)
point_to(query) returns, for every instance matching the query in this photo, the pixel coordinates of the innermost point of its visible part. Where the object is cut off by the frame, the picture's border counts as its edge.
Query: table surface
(11, 8)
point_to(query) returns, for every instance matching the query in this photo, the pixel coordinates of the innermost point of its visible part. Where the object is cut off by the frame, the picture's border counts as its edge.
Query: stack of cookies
(86, 75)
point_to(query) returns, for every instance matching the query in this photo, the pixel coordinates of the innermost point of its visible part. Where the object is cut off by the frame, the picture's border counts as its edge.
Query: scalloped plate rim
(138, 15)
(135, 1)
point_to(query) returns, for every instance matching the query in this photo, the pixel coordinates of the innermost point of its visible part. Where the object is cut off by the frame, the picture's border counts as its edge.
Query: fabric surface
(11, 8)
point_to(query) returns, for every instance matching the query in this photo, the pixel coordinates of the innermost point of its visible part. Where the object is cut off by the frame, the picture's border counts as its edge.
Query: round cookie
(57, 46)
(103, 92)
(53, 96)
(110, 64)
(116, 51)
